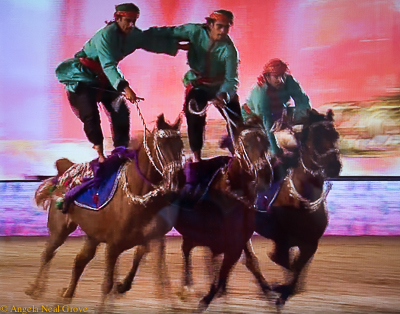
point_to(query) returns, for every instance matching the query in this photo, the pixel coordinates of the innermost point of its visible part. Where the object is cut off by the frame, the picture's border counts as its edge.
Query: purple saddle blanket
(95, 193)
(96, 197)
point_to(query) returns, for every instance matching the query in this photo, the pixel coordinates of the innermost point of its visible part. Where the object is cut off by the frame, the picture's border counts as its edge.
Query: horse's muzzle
(174, 179)
(333, 167)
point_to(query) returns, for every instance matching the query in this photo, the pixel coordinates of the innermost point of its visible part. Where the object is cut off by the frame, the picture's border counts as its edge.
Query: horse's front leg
(230, 259)
(86, 254)
(306, 252)
(253, 266)
(59, 232)
(126, 284)
(112, 254)
(187, 276)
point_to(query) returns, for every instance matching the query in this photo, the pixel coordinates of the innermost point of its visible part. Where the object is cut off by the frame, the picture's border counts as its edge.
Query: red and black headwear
(126, 9)
(273, 67)
(224, 16)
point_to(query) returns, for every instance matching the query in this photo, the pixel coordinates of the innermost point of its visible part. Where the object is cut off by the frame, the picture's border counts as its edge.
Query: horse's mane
(314, 117)
(253, 121)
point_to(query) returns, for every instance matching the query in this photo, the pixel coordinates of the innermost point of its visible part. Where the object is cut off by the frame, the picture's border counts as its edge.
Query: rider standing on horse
(213, 75)
(270, 97)
(93, 75)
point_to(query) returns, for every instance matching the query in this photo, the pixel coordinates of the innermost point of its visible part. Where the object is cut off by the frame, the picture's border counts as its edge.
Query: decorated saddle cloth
(92, 185)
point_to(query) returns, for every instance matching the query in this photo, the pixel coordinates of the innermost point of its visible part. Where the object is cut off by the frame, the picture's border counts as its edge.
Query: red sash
(96, 68)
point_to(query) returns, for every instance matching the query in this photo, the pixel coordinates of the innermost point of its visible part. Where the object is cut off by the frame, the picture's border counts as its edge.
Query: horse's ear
(161, 118)
(160, 121)
(315, 116)
(177, 124)
(330, 115)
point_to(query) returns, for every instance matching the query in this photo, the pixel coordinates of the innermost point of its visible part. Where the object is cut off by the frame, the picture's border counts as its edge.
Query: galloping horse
(297, 216)
(131, 218)
(219, 216)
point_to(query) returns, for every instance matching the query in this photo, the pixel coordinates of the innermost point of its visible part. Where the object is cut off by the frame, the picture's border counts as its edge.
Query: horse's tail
(45, 190)
(43, 193)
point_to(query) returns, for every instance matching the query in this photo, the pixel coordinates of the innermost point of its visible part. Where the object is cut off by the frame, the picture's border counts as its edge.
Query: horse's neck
(308, 185)
(239, 180)
(141, 174)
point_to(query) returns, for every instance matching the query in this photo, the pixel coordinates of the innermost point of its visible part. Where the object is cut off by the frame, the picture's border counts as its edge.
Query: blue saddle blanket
(97, 197)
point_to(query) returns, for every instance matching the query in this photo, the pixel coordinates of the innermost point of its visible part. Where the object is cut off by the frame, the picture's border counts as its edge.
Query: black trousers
(196, 123)
(84, 104)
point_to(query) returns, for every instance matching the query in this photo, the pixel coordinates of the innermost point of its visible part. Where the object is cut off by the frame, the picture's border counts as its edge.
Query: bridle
(253, 167)
(166, 171)
(165, 166)
(316, 161)
(312, 205)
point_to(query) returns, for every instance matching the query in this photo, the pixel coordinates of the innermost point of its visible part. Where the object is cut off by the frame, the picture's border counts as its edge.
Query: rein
(166, 168)
(140, 171)
(316, 161)
(138, 199)
(314, 205)
(243, 157)
(224, 110)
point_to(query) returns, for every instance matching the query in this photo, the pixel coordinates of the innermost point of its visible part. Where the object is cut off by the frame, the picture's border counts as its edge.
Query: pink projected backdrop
(344, 53)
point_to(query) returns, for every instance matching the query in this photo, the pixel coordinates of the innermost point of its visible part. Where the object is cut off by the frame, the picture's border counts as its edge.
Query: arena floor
(347, 275)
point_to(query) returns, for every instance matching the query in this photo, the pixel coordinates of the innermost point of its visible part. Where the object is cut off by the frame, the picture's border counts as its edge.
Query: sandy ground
(347, 275)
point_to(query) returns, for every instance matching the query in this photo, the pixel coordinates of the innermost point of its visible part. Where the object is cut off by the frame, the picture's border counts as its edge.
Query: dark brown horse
(297, 216)
(131, 218)
(218, 215)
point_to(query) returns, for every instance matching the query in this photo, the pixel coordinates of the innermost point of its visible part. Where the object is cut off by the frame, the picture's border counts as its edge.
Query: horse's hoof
(65, 297)
(185, 293)
(203, 305)
(30, 290)
(99, 309)
(120, 288)
(33, 292)
(279, 303)
(271, 297)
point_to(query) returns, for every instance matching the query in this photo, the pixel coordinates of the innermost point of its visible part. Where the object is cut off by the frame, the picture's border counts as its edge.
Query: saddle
(199, 175)
(92, 185)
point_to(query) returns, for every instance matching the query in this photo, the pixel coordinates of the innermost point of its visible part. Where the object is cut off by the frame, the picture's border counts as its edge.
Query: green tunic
(217, 62)
(109, 46)
(259, 103)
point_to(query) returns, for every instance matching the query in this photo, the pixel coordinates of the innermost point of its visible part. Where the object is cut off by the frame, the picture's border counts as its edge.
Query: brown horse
(297, 216)
(219, 217)
(131, 218)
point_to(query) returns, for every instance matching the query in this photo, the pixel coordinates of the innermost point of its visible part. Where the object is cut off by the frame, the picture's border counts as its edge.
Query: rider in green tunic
(93, 75)
(270, 97)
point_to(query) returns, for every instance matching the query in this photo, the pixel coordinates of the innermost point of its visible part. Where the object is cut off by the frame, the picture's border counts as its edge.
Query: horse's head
(319, 145)
(166, 152)
(251, 148)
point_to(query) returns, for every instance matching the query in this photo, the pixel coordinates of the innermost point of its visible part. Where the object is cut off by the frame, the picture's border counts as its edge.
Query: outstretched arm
(168, 39)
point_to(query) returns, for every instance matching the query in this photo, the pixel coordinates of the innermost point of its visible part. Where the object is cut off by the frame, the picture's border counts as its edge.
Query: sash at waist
(96, 68)
(208, 81)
